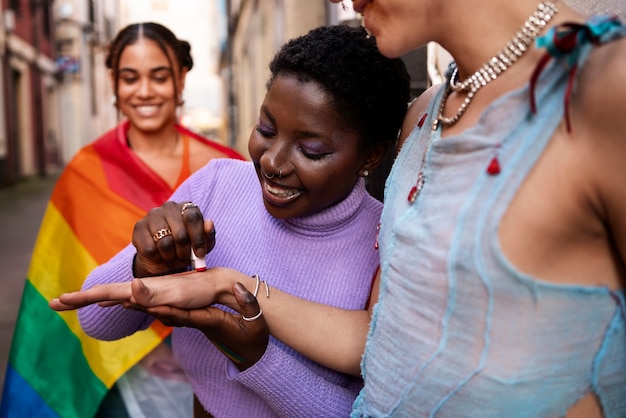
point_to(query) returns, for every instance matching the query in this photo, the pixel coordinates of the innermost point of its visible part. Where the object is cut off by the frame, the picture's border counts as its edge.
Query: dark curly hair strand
(370, 91)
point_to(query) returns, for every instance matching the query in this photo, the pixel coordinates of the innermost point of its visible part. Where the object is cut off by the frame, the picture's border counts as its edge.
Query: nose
(275, 159)
(144, 88)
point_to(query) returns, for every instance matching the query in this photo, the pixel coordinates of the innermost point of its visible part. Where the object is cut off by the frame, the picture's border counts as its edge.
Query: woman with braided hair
(106, 187)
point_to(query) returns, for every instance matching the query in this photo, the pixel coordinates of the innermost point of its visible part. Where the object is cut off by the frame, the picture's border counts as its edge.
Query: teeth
(146, 110)
(283, 193)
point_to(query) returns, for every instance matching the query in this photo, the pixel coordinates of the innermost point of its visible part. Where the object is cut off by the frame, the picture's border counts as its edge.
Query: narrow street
(21, 208)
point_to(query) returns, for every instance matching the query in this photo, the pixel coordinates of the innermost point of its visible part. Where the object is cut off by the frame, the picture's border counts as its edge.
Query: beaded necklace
(499, 63)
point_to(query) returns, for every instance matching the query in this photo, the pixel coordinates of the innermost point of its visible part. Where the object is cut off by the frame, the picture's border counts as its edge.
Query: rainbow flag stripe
(55, 369)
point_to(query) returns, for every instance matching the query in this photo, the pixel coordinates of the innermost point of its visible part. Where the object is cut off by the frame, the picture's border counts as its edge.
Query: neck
(163, 141)
(488, 28)
(515, 48)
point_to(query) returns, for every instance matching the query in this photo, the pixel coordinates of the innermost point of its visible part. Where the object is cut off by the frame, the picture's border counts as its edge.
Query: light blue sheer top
(458, 330)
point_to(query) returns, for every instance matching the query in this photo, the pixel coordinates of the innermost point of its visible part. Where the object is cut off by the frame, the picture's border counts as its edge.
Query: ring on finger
(161, 233)
(186, 206)
(252, 318)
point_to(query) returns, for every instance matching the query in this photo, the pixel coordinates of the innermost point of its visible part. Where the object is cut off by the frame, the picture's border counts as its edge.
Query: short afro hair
(370, 91)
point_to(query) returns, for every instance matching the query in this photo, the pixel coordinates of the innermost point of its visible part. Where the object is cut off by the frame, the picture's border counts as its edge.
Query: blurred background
(55, 94)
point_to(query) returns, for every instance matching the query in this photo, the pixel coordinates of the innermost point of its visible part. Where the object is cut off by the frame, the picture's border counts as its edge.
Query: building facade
(29, 129)
(54, 87)
(83, 30)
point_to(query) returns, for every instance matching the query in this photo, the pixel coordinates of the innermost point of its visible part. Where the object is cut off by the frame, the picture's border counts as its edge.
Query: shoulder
(598, 125)
(215, 149)
(227, 173)
(600, 93)
(598, 102)
(215, 146)
(416, 110)
(86, 159)
(225, 167)
(220, 176)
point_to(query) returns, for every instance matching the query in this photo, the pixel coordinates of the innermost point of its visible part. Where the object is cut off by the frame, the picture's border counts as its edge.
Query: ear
(114, 95)
(374, 156)
(112, 81)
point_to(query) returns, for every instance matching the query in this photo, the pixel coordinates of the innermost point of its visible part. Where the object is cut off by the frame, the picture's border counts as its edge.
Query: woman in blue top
(503, 237)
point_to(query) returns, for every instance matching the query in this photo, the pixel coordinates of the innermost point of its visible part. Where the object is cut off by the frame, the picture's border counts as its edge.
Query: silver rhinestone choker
(501, 62)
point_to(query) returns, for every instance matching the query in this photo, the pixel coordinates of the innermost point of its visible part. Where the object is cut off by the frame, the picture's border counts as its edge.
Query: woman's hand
(184, 300)
(104, 294)
(165, 236)
(189, 290)
(243, 341)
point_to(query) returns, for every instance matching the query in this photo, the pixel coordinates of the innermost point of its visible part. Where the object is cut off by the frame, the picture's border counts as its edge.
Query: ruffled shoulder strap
(570, 44)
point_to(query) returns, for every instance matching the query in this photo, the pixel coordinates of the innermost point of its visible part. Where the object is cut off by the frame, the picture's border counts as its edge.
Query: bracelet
(252, 318)
(257, 285)
(267, 289)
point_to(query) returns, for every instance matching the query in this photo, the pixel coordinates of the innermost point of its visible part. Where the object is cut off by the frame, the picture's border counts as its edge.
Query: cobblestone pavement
(22, 206)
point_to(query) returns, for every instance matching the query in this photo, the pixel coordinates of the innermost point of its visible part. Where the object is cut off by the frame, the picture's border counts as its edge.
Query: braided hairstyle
(162, 36)
(369, 91)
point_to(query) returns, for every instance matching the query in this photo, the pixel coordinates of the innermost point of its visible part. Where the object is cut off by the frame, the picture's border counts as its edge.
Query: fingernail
(241, 289)
(197, 259)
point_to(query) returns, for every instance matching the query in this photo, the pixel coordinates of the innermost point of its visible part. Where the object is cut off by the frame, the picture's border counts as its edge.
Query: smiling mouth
(147, 110)
(282, 193)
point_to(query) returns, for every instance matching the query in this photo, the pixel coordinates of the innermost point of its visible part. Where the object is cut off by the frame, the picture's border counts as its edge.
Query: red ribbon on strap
(565, 40)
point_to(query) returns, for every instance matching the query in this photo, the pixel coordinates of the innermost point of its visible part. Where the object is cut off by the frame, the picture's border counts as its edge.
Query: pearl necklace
(501, 62)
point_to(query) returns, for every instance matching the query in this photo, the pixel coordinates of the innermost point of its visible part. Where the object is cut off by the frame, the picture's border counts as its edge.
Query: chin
(276, 211)
(149, 126)
(390, 50)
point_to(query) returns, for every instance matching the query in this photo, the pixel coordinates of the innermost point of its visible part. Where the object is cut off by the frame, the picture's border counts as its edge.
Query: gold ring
(186, 206)
(161, 233)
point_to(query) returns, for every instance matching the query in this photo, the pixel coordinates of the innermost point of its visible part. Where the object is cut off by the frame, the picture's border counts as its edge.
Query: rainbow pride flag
(55, 369)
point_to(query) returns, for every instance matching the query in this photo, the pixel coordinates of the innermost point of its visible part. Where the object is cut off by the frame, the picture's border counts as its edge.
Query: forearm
(308, 326)
(301, 324)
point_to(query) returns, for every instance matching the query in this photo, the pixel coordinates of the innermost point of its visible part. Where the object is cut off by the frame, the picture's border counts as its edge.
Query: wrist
(223, 283)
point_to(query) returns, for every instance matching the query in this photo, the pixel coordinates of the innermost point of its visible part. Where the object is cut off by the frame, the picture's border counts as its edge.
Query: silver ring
(267, 176)
(280, 173)
(161, 233)
(186, 206)
(252, 318)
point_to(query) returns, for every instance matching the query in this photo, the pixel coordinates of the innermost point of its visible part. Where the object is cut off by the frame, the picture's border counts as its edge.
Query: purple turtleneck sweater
(328, 257)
